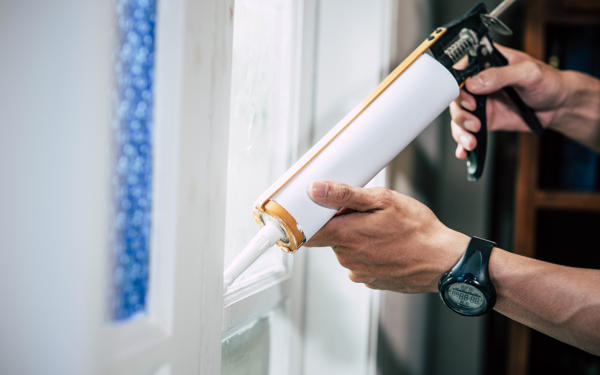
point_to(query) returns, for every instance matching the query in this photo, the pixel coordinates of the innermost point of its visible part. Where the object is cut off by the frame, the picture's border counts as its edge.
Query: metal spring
(458, 49)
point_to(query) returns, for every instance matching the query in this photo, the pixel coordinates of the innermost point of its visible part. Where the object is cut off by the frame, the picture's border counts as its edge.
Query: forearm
(562, 302)
(390, 241)
(579, 114)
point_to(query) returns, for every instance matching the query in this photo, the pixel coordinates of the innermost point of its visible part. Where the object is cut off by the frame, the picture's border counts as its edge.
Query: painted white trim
(181, 333)
(265, 296)
(138, 344)
(132, 338)
(278, 292)
(168, 78)
(208, 26)
(375, 303)
(55, 166)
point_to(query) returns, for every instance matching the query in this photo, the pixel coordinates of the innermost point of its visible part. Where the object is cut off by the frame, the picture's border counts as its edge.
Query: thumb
(337, 194)
(491, 80)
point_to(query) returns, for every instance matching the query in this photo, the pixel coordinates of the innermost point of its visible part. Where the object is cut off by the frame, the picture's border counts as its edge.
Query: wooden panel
(527, 178)
(578, 19)
(519, 338)
(573, 12)
(567, 200)
(529, 198)
(581, 4)
(534, 38)
(534, 42)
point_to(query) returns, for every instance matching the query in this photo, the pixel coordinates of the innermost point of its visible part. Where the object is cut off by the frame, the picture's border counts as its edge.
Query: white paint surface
(54, 164)
(55, 141)
(350, 61)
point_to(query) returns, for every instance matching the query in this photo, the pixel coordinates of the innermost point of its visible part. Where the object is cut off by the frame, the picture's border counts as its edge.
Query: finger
(461, 63)
(463, 118)
(466, 100)
(512, 55)
(373, 286)
(460, 153)
(463, 137)
(324, 237)
(521, 74)
(338, 230)
(345, 211)
(336, 194)
(358, 278)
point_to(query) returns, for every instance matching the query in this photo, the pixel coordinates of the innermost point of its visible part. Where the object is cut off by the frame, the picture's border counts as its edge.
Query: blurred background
(136, 134)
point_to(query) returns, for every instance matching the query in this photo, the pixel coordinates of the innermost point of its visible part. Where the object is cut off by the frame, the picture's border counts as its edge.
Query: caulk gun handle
(526, 112)
(476, 158)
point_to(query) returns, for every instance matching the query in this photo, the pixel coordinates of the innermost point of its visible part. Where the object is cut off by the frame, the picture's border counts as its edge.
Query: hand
(539, 85)
(387, 240)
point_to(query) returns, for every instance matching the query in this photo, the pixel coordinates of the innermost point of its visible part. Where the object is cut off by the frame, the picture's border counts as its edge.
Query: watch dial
(465, 298)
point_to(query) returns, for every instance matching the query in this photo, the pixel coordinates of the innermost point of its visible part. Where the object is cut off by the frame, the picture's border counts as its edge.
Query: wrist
(454, 245)
(507, 273)
(578, 111)
(466, 288)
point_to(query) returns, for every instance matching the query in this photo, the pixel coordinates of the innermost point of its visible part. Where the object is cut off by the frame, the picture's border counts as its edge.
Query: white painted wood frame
(55, 137)
(283, 289)
(181, 332)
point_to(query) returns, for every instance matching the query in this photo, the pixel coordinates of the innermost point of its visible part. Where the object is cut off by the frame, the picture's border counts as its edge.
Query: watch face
(465, 298)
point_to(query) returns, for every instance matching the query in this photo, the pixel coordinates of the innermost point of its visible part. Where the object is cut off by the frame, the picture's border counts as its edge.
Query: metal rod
(501, 8)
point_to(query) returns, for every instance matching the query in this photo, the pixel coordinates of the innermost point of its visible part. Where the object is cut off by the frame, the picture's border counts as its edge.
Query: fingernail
(464, 141)
(458, 153)
(480, 81)
(467, 105)
(477, 82)
(469, 125)
(319, 189)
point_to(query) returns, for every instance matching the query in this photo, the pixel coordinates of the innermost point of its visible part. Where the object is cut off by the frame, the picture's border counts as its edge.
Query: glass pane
(163, 370)
(132, 174)
(247, 350)
(261, 113)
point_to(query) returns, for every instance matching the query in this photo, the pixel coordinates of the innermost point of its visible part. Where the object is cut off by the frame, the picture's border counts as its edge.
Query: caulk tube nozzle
(266, 237)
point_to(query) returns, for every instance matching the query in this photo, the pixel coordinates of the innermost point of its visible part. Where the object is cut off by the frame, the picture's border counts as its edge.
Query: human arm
(390, 241)
(565, 101)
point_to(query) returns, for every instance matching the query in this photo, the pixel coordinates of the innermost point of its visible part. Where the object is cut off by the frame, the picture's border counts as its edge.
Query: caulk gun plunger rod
(501, 8)
(266, 237)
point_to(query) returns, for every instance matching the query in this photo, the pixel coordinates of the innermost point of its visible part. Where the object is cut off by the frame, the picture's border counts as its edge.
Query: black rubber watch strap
(479, 266)
(471, 269)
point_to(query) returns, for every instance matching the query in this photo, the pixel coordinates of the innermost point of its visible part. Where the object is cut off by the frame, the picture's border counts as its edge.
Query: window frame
(285, 289)
(180, 331)
(133, 336)
(187, 311)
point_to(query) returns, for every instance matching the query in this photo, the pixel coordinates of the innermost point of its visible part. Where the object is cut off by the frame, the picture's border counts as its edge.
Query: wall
(54, 142)
(351, 50)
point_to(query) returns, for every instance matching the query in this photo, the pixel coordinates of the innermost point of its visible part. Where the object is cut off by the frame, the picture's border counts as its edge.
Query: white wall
(54, 144)
(350, 58)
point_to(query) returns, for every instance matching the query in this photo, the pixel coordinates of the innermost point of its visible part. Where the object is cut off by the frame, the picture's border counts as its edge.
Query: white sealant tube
(369, 143)
(353, 152)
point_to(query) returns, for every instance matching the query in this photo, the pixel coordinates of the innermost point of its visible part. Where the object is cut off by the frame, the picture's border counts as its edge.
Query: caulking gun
(374, 132)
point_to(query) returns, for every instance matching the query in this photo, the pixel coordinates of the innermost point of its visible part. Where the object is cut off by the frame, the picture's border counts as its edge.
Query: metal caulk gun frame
(469, 36)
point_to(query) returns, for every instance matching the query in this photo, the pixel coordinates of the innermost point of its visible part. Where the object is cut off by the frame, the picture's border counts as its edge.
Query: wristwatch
(466, 288)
